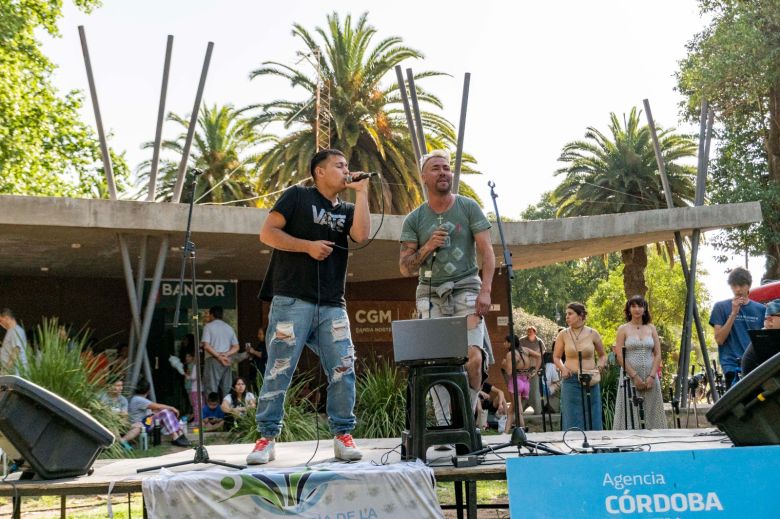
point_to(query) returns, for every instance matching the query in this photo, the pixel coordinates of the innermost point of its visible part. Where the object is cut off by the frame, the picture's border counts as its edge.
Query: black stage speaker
(749, 412)
(56, 438)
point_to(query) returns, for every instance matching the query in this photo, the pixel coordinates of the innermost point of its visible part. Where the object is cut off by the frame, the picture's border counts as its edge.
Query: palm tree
(619, 174)
(367, 119)
(224, 148)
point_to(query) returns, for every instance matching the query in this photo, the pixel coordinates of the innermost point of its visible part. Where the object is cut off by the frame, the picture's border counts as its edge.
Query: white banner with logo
(325, 491)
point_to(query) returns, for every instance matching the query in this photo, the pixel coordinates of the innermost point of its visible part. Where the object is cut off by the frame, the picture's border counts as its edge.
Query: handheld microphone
(360, 176)
(196, 171)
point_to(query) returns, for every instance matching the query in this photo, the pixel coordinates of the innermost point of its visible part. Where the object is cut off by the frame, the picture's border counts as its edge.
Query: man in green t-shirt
(440, 241)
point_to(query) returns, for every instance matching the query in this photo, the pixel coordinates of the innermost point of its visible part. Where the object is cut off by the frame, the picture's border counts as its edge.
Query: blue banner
(734, 482)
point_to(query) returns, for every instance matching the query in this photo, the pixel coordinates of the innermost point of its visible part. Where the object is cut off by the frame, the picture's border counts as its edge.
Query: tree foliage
(45, 149)
(618, 173)
(734, 63)
(545, 291)
(224, 149)
(367, 118)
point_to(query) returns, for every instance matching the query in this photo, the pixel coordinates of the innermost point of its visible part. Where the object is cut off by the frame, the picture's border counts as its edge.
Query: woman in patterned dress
(638, 351)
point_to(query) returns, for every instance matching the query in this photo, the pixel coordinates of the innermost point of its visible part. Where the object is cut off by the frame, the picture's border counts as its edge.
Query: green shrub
(381, 402)
(609, 383)
(61, 363)
(300, 418)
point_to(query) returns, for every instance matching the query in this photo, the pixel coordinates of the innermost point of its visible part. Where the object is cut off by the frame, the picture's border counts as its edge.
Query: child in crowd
(213, 416)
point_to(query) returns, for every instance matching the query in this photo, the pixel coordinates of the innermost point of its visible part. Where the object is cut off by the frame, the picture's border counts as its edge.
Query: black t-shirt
(310, 216)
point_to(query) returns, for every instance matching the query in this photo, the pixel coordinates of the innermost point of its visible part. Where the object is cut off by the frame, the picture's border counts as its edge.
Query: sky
(541, 72)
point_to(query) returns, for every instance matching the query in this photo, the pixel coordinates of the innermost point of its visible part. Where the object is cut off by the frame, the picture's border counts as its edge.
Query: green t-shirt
(458, 259)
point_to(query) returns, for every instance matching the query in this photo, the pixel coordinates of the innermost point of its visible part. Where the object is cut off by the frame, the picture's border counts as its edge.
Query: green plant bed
(381, 402)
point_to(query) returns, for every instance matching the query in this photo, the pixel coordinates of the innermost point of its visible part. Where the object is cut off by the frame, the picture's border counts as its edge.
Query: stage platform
(121, 477)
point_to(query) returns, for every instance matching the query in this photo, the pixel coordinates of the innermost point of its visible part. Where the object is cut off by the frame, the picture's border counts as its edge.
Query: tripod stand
(201, 454)
(633, 404)
(519, 439)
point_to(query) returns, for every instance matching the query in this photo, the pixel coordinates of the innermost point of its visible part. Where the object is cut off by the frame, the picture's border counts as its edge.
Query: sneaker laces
(346, 440)
(261, 444)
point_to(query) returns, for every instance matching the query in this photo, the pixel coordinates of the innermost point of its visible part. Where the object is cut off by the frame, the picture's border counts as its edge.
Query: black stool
(461, 431)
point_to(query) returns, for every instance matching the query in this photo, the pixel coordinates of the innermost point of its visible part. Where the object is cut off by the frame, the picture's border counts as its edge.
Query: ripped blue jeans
(292, 323)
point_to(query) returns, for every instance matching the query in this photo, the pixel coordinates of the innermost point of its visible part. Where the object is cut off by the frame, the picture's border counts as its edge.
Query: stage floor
(122, 477)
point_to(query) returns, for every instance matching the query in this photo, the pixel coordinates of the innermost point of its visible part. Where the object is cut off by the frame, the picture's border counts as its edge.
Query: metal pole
(681, 252)
(417, 116)
(191, 128)
(151, 302)
(139, 290)
(461, 132)
(98, 118)
(685, 344)
(129, 283)
(407, 111)
(160, 119)
(410, 124)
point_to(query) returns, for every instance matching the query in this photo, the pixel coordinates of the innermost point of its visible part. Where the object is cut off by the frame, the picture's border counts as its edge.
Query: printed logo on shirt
(334, 221)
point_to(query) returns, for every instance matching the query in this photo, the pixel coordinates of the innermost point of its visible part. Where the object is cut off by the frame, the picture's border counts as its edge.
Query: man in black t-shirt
(308, 228)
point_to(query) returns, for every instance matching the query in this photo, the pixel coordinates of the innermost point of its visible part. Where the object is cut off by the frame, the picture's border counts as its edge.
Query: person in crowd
(168, 416)
(553, 383)
(732, 319)
(309, 228)
(258, 358)
(579, 341)
(491, 401)
(14, 343)
(752, 359)
(191, 383)
(213, 415)
(440, 241)
(532, 340)
(237, 402)
(117, 402)
(526, 360)
(220, 344)
(638, 352)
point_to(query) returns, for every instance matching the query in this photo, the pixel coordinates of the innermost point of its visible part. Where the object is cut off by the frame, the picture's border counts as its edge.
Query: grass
(487, 492)
(78, 507)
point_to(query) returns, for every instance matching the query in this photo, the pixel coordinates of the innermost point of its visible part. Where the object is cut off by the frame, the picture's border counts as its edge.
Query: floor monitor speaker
(56, 438)
(749, 412)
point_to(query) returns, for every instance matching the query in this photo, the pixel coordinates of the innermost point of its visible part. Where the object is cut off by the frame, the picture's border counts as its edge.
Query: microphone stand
(201, 454)
(627, 392)
(544, 396)
(509, 276)
(584, 379)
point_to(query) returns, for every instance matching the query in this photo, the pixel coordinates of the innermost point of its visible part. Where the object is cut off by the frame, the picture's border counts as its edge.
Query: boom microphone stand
(201, 454)
(509, 276)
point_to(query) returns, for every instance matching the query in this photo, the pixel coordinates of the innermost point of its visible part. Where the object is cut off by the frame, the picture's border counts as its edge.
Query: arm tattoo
(413, 261)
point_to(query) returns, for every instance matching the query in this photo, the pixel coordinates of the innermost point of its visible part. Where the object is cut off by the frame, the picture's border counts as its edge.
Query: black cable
(574, 449)
(319, 371)
(370, 240)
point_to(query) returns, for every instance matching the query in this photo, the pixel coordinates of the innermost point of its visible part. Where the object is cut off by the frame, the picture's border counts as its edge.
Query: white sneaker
(264, 451)
(345, 449)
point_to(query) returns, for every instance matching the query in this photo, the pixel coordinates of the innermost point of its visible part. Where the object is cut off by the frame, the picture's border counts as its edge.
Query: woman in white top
(238, 400)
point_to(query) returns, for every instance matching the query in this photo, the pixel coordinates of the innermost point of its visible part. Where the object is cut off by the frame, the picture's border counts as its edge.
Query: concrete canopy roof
(77, 237)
